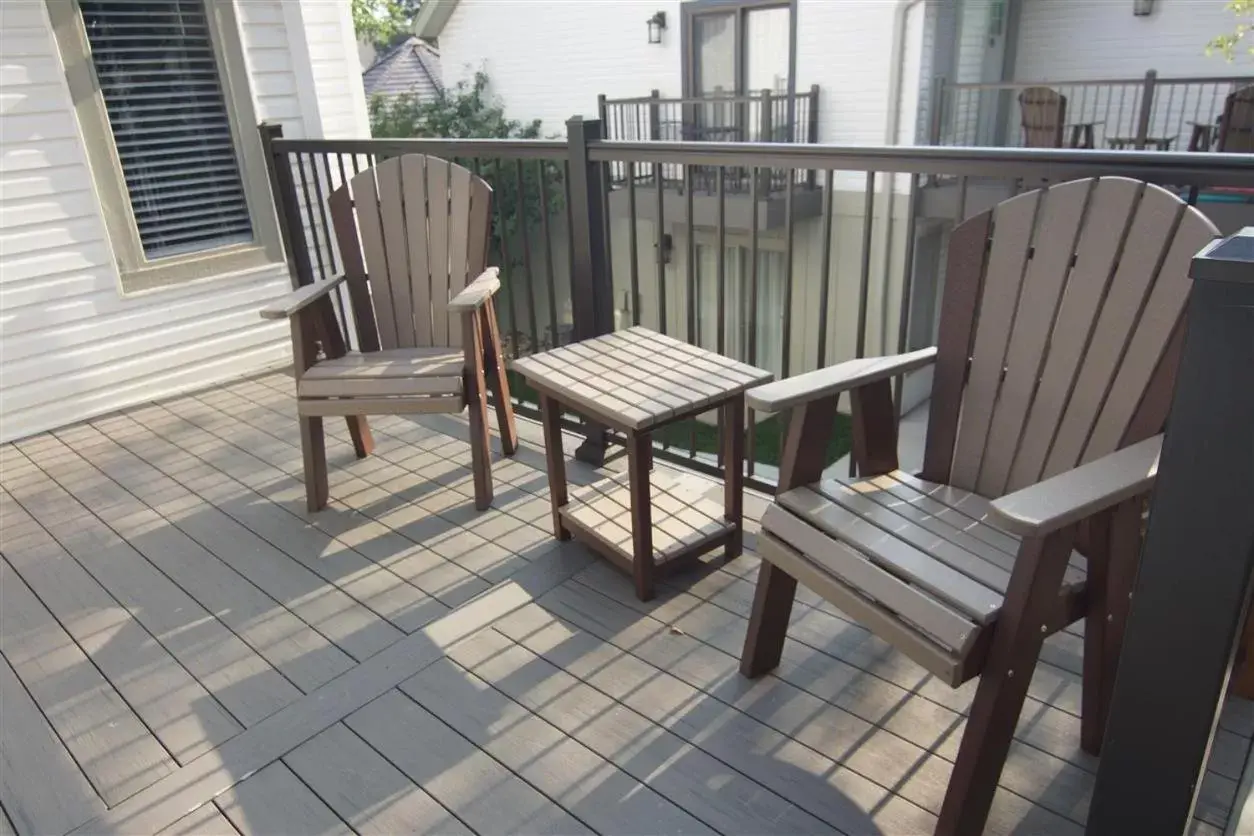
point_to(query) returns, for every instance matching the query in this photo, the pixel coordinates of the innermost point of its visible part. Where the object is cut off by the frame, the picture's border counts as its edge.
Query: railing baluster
(659, 236)
(907, 290)
(720, 258)
(507, 287)
(309, 216)
(542, 171)
(790, 231)
(633, 255)
(528, 270)
(825, 267)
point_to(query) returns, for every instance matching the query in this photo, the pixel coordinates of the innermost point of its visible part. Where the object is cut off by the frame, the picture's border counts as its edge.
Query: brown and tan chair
(1042, 113)
(413, 235)
(1236, 125)
(1059, 338)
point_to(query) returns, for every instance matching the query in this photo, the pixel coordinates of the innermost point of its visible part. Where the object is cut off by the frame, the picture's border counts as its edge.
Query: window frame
(136, 271)
(692, 9)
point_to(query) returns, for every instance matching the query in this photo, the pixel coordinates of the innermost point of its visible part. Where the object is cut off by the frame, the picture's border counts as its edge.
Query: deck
(185, 650)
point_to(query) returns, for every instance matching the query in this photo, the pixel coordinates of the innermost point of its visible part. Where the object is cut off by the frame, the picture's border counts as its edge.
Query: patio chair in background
(413, 236)
(1236, 126)
(1042, 113)
(1060, 331)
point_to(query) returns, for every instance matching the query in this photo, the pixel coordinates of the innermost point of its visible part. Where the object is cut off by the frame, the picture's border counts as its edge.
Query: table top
(637, 378)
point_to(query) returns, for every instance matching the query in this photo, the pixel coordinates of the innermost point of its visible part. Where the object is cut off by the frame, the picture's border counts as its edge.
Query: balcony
(187, 650)
(762, 116)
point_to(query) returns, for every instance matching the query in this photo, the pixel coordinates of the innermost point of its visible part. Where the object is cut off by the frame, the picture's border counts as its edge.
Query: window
(159, 86)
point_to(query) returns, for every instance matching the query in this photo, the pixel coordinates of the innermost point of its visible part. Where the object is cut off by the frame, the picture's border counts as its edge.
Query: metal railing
(759, 116)
(860, 276)
(1151, 113)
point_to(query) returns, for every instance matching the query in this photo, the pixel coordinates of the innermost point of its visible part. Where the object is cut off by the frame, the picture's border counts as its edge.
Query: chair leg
(768, 623)
(494, 370)
(359, 431)
(1019, 633)
(1110, 581)
(313, 449)
(477, 399)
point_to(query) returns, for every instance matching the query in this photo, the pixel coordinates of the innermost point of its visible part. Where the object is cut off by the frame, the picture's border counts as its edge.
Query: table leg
(733, 415)
(639, 455)
(555, 457)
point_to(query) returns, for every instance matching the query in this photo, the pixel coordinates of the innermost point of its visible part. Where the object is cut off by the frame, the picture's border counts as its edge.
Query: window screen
(155, 63)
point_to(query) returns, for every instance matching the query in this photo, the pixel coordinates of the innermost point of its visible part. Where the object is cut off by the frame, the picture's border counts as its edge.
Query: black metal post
(1193, 585)
(286, 206)
(592, 291)
(1147, 109)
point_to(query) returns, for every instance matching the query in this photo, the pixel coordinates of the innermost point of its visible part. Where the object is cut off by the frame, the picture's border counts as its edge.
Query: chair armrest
(285, 306)
(473, 295)
(782, 394)
(1081, 492)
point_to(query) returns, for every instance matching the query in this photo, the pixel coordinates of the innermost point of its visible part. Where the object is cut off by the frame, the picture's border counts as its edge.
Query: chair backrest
(1236, 126)
(1060, 331)
(1042, 111)
(412, 231)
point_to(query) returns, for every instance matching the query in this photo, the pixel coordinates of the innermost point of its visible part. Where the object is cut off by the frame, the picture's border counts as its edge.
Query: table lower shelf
(685, 522)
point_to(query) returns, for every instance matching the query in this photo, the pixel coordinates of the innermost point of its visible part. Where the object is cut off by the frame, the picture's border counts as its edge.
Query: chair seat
(389, 382)
(910, 558)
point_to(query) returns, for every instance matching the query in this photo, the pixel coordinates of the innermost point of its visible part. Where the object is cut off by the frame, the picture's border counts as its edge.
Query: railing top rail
(1210, 169)
(751, 96)
(530, 149)
(1095, 82)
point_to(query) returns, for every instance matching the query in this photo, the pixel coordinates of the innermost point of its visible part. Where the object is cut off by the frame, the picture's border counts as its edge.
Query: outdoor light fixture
(1142, 8)
(656, 24)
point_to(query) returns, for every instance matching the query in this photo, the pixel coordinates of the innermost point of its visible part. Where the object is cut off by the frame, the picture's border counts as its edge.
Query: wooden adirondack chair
(1042, 112)
(413, 235)
(1059, 339)
(1236, 126)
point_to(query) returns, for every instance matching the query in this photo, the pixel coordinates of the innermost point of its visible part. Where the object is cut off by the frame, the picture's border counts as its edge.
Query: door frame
(694, 8)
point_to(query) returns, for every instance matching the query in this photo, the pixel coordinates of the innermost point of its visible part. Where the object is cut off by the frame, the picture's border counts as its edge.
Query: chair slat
(366, 196)
(922, 568)
(349, 241)
(1061, 214)
(1012, 235)
(437, 249)
(1153, 333)
(412, 292)
(948, 628)
(1111, 210)
(458, 230)
(1148, 238)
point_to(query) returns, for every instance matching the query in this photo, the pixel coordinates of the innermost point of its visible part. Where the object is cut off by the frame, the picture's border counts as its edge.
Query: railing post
(1147, 109)
(286, 207)
(655, 115)
(591, 286)
(603, 116)
(938, 110)
(812, 131)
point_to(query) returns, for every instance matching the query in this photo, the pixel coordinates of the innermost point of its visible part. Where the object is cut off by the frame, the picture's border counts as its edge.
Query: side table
(636, 381)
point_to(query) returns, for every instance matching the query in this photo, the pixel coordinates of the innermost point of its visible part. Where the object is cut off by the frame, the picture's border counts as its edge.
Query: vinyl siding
(1067, 40)
(71, 344)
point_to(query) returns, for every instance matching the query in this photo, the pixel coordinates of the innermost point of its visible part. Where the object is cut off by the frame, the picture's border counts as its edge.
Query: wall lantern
(1142, 8)
(656, 24)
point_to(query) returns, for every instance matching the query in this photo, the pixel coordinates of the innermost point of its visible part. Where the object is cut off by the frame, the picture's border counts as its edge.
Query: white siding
(549, 61)
(1069, 40)
(71, 345)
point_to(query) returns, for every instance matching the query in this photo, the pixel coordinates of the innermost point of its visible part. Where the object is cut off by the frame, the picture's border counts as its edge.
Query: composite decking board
(183, 715)
(207, 820)
(595, 791)
(644, 663)
(274, 801)
(203, 779)
(301, 654)
(351, 626)
(364, 789)
(118, 754)
(42, 789)
(241, 680)
(462, 777)
(386, 594)
(713, 791)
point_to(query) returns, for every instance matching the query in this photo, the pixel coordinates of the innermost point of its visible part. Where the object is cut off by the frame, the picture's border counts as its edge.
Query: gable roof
(411, 67)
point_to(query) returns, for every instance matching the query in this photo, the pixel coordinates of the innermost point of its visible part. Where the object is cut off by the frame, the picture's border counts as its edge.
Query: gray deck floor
(185, 650)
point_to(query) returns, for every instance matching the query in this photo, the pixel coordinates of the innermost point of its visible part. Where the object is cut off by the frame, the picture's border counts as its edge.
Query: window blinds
(159, 78)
